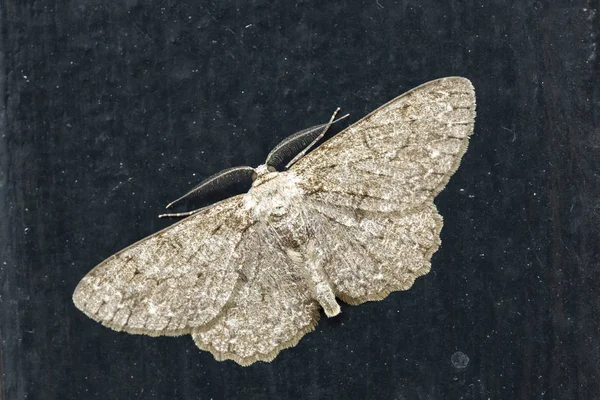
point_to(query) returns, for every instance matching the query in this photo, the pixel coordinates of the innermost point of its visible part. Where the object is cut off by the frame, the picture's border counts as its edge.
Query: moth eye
(271, 168)
(254, 176)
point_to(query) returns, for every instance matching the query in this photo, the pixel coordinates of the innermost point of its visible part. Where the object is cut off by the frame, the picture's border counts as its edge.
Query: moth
(353, 220)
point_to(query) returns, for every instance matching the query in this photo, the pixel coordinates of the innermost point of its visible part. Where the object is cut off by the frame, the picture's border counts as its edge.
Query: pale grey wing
(397, 157)
(175, 280)
(272, 309)
(369, 255)
(370, 189)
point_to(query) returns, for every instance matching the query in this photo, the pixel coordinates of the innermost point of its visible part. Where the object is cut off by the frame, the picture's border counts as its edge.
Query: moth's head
(263, 173)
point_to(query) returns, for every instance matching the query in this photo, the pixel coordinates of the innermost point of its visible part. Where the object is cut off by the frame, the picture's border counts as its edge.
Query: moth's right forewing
(397, 157)
(370, 189)
(173, 281)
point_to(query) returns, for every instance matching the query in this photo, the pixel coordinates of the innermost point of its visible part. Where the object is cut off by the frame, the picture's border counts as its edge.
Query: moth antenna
(218, 181)
(299, 143)
(332, 120)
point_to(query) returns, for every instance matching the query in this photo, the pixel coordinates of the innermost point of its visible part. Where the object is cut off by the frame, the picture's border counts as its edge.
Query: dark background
(109, 110)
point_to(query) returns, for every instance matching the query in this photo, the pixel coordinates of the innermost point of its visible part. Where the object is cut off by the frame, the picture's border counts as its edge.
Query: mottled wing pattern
(225, 274)
(370, 188)
(370, 255)
(272, 309)
(172, 281)
(397, 157)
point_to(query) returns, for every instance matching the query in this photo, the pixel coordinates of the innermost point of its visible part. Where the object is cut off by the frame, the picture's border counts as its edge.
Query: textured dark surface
(110, 110)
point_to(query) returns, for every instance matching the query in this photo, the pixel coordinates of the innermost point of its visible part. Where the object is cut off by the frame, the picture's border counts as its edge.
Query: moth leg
(182, 214)
(315, 140)
(188, 213)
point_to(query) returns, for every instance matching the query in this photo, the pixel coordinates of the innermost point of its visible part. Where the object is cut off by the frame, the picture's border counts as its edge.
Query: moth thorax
(290, 228)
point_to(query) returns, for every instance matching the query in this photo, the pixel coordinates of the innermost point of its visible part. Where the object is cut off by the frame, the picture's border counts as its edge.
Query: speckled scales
(371, 254)
(272, 309)
(400, 155)
(172, 281)
(375, 182)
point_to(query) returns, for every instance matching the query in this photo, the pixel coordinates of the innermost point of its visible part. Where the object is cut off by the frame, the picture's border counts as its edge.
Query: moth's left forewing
(170, 282)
